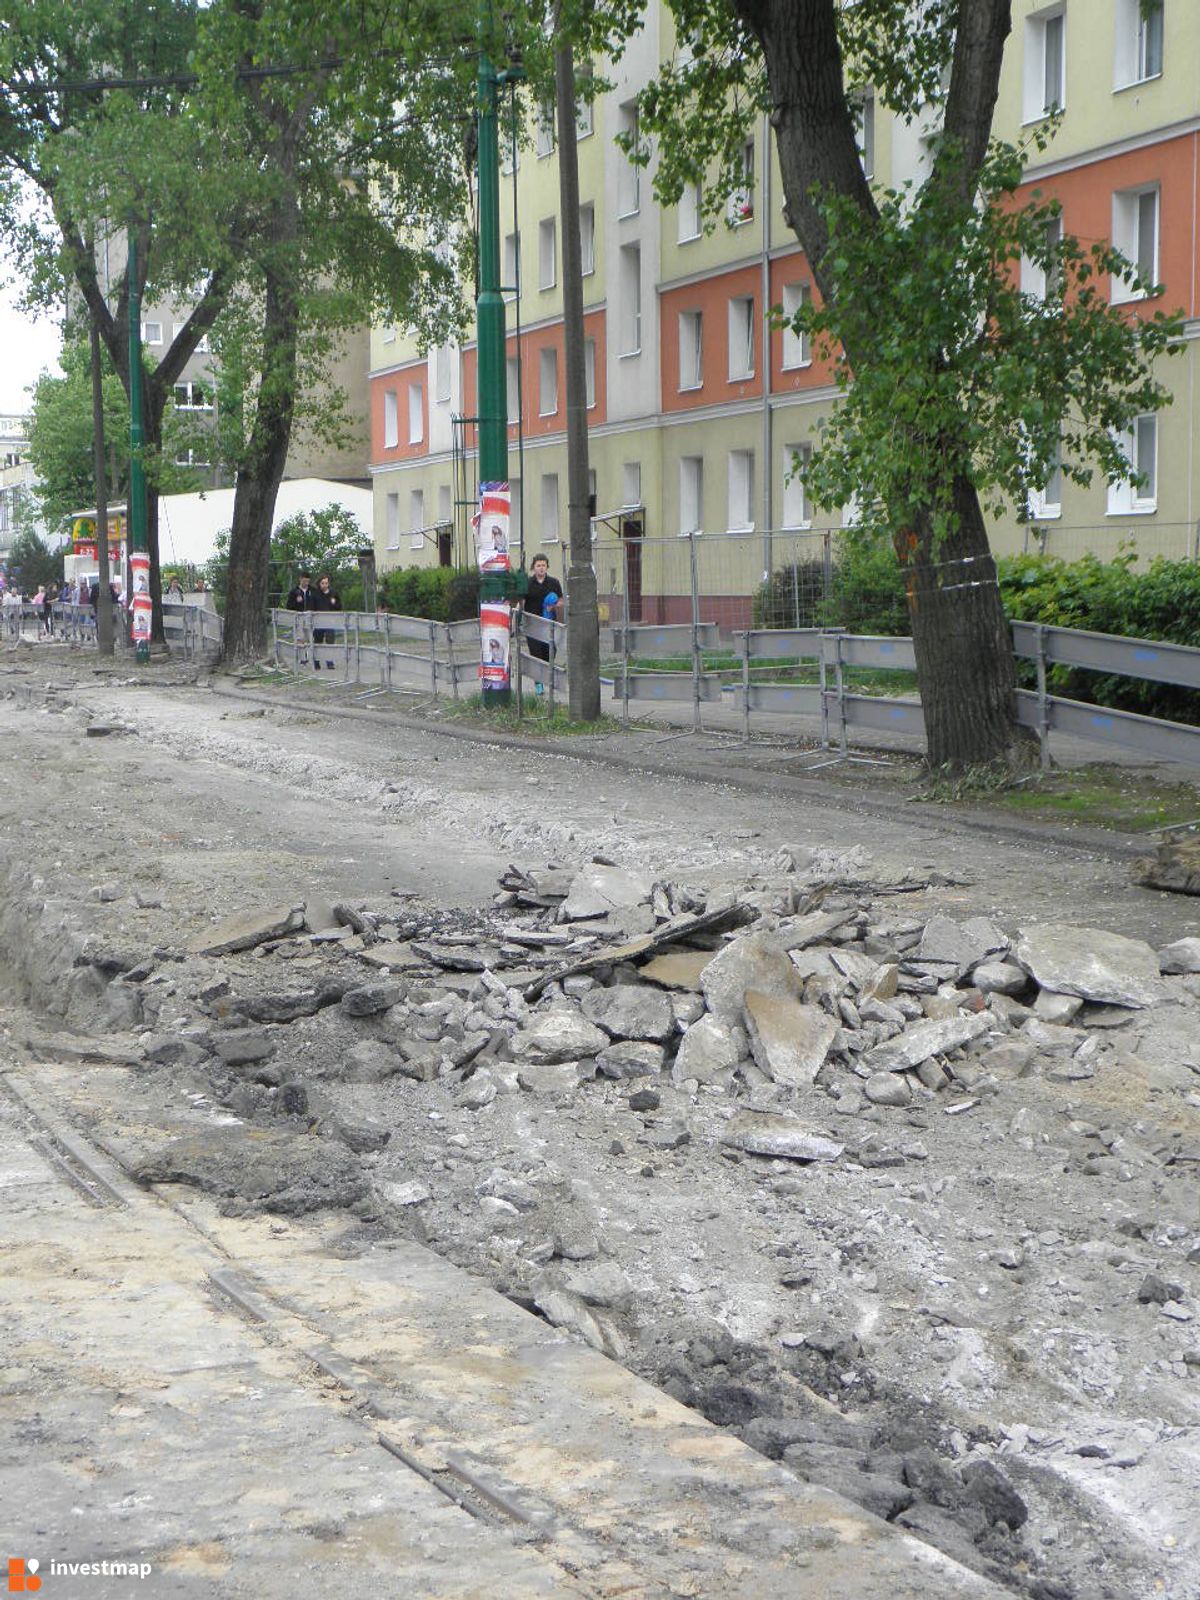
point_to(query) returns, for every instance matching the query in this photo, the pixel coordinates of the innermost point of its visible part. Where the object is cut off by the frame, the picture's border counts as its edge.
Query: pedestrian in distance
(302, 598)
(543, 598)
(174, 591)
(325, 600)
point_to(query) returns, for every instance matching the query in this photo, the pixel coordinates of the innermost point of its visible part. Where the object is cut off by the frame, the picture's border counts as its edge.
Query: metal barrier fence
(191, 631)
(381, 651)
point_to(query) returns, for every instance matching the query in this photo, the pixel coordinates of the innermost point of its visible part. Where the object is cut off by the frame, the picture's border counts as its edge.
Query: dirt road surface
(949, 1324)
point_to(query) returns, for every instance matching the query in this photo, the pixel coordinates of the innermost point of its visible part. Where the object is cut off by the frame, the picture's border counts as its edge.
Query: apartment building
(699, 406)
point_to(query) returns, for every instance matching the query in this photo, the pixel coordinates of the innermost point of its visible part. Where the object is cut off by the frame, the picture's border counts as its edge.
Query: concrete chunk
(678, 969)
(763, 1134)
(789, 1040)
(246, 930)
(1092, 963)
(757, 962)
(925, 1039)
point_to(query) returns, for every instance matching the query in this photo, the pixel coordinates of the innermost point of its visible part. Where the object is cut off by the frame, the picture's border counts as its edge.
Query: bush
(1161, 601)
(443, 594)
(792, 597)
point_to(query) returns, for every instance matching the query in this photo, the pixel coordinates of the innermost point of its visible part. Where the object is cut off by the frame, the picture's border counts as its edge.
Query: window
(547, 382)
(391, 424)
(593, 491)
(585, 92)
(547, 254)
(389, 336)
(589, 372)
(1046, 502)
(202, 345)
(795, 497)
(544, 133)
(741, 201)
(152, 333)
(1045, 62)
(441, 374)
(512, 374)
(631, 299)
(741, 491)
(796, 352)
(550, 508)
(690, 209)
(192, 397)
(1139, 41)
(587, 239)
(510, 152)
(416, 413)
(629, 175)
(741, 338)
(691, 373)
(691, 493)
(864, 132)
(512, 263)
(445, 505)
(416, 519)
(1043, 281)
(192, 458)
(392, 521)
(631, 483)
(1140, 445)
(1135, 234)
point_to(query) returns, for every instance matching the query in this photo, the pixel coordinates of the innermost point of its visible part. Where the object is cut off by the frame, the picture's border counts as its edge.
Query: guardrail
(840, 709)
(381, 651)
(195, 632)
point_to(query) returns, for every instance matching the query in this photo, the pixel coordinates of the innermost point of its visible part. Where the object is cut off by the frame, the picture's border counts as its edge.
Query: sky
(26, 347)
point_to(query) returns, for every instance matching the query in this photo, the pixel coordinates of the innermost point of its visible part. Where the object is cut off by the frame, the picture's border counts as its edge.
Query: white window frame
(691, 209)
(152, 333)
(442, 374)
(1045, 504)
(512, 264)
(587, 239)
(741, 201)
(544, 132)
(512, 387)
(631, 483)
(1138, 41)
(445, 505)
(864, 131)
(190, 387)
(631, 299)
(796, 346)
(1038, 102)
(585, 105)
(741, 338)
(1129, 499)
(691, 351)
(547, 253)
(391, 419)
(416, 413)
(547, 381)
(796, 511)
(629, 174)
(691, 494)
(416, 519)
(1128, 216)
(740, 491)
(589, 373)
(1033, 276)
(391, 520)
(550, 508)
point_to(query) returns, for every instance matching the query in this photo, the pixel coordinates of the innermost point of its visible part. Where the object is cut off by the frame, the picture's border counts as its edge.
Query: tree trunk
(963, 644)
(583, 634)
(261, 472)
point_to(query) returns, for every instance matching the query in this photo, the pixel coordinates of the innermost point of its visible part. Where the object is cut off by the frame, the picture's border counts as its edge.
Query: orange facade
(1086, 193)
(536, 424)
(395, 413)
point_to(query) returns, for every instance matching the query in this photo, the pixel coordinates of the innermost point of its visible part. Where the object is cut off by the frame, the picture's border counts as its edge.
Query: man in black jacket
(302, 598)
(324, 600)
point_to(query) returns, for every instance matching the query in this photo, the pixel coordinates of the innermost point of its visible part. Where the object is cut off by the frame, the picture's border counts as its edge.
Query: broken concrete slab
(1182, 956)
(246, 930)
(1059, 1008)
(369, 999)
(549, 1077)
(999, 977)
(391, 953)
(797, 933)
(960, 944)
(1092, 963)
(710, 1049)
(631, 1058)
(925, 1039)
(597, 890)
(762, 1133)
(259, 1168)
(630, 1011)
(756, 961)
(240, 1046)
(789, 1040)
(559, 1035)
(887, 1089)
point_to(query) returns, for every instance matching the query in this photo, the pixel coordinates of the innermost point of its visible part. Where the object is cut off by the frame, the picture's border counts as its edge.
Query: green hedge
(443, 594)
(1161, 601)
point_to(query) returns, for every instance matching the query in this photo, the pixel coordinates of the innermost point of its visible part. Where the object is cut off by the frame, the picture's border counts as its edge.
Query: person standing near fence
(302, 598)
(543, 598)
(324, 600)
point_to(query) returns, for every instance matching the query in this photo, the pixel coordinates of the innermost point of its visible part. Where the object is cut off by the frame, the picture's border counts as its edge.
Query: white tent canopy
(188, 524)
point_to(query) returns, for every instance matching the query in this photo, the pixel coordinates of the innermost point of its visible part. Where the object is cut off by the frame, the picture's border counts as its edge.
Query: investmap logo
(25, 1574)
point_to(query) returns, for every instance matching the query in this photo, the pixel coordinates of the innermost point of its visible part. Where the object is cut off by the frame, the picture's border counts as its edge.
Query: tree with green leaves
(959, 390)
(30, 563)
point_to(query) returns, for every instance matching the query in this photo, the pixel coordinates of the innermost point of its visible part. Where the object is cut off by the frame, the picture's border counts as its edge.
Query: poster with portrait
(492, 527)
(139, 564)
(495, 634)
